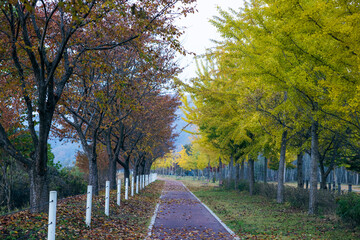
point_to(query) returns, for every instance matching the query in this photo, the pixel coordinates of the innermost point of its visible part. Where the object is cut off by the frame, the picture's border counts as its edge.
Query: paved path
(181, 216)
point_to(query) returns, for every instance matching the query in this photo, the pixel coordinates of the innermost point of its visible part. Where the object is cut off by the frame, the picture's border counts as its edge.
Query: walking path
(182, 216)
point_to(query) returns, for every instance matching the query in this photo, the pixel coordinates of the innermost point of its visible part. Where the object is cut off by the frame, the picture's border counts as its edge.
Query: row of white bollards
(144, 181)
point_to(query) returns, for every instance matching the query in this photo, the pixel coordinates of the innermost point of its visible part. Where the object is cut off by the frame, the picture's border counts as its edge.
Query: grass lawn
(259, 218)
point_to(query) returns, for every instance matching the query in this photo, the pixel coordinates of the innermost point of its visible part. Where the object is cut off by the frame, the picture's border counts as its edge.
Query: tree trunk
(300, 179)
(220, 172)
(281, 171)
(148, 167)
(112, 173)
(231, 166)
(314, 166)
(209, 167)
(237, 177)
(323, 178)
(242, 170)
(265, 169)
(93, 174)
(136, 172)
(323, 174)
(251, 176)
(38, 190)
(126, 172)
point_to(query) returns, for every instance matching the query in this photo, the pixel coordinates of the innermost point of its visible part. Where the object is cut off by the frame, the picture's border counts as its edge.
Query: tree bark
(251, 176)
(38, 190)
(300, 179)
(112, 173)
(220, 172)
(242, 170)
(314, 167)
(281, 171)
(265, 169)
(231, 166)
(324, 174)
(93, 173)
(237, 175)
(126, 172)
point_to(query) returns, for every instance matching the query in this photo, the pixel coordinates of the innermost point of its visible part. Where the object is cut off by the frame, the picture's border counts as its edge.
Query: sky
(199, 31)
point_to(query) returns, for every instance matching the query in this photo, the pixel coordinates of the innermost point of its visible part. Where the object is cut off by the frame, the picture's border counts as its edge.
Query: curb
(214, 215)
(153, 218)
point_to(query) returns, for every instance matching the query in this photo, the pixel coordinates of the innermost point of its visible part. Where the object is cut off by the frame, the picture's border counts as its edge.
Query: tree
(263, 40)
(274, 80)
(45, 42)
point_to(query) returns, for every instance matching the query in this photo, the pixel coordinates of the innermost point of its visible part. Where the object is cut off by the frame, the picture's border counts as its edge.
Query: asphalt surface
(182, 216)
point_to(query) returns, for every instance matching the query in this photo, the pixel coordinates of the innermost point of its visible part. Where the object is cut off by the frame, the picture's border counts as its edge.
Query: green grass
(259, 218)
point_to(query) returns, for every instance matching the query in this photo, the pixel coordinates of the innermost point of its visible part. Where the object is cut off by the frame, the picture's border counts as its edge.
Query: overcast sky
(199, 31)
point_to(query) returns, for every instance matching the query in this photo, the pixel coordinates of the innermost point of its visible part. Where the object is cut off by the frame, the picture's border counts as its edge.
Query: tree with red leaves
(42, 43)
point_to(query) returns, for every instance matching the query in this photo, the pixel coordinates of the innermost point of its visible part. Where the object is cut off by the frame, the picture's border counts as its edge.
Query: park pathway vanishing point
(181, 215)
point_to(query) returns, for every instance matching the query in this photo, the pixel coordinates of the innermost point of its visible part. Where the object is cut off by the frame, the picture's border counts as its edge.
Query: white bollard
(52, 215)
(118, 197)
(137, 184)
(107, 198)
(126, 189)
(88, 206)
(132, 186)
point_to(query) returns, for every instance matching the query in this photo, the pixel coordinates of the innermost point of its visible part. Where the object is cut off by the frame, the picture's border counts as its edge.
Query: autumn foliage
(76, 59)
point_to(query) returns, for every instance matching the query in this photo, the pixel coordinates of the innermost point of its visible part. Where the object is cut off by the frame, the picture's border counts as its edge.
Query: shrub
(67, 182)
(349, 208)
(243, 185)
(325, 202)
(297, 197)
(265, 189)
